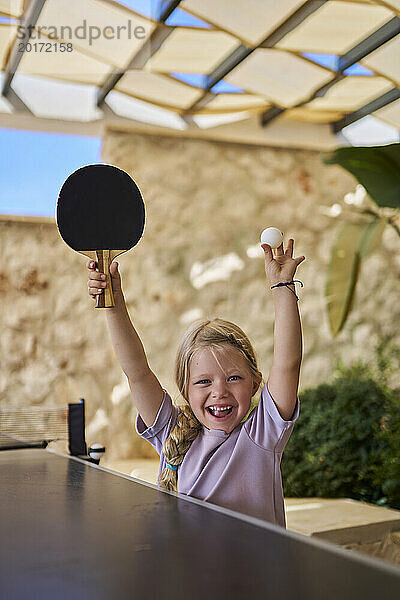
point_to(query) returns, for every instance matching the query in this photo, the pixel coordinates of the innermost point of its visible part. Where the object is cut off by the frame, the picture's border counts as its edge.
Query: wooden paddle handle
(106, 299)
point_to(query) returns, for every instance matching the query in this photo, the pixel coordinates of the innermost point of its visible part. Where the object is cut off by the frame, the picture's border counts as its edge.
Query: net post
(76, 428)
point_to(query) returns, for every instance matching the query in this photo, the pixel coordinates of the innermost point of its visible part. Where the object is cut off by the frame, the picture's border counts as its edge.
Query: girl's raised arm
(284, 376)
(147, 392)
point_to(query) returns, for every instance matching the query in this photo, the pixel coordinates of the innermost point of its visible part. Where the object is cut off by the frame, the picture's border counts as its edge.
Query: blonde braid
(177, 444)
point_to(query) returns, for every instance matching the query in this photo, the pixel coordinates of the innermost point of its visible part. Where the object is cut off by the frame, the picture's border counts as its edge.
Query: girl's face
(220, 387)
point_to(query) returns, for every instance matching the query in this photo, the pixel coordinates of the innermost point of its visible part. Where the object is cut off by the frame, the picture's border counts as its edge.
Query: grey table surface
(71, 530)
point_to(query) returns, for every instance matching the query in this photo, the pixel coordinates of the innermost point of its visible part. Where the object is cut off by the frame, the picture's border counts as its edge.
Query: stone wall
(206, 205)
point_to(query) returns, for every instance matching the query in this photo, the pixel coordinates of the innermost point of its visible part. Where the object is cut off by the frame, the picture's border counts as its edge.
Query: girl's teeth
(220, 411)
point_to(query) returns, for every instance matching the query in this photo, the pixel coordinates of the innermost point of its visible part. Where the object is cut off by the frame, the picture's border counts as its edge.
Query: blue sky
(33, 167)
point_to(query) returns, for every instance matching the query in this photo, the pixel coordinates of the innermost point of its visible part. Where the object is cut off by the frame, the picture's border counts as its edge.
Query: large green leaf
(354, 242)
(371, 237)
(343, 274)
(377, 168)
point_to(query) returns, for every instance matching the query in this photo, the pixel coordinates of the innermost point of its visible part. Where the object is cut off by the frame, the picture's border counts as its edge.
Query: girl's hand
(97, 281)
(283, 267)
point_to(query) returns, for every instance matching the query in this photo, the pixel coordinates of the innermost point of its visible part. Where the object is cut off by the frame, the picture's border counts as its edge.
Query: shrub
(346, 442)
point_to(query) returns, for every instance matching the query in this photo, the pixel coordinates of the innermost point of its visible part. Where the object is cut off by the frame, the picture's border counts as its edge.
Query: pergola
(288, 72)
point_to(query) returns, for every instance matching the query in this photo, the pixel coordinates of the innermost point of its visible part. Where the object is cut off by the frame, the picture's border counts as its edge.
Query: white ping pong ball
(96, 451)
(272, 236)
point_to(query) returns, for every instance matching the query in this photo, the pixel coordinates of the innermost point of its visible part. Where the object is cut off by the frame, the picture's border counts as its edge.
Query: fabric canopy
(241, 70)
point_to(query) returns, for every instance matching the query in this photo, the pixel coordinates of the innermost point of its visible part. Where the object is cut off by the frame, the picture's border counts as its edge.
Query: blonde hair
(217, 334)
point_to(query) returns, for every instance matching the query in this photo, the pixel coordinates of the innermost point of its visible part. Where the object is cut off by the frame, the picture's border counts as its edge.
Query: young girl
(221, 446)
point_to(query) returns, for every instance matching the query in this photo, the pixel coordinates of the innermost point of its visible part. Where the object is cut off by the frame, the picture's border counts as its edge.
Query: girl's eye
(207, 380)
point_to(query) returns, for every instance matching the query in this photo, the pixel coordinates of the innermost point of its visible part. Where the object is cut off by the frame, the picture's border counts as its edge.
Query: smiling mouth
(219, 413)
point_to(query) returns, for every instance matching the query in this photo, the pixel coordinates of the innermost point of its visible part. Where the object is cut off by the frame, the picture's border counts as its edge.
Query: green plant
(378, 170)
(346, 442)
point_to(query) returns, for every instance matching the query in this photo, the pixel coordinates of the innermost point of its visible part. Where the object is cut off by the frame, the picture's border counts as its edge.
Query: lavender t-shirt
(239, 470)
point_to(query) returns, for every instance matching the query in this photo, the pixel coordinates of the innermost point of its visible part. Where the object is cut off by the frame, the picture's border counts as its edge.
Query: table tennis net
(36, 427)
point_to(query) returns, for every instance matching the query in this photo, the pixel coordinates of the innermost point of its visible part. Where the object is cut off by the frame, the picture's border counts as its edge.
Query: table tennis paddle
(101, 214)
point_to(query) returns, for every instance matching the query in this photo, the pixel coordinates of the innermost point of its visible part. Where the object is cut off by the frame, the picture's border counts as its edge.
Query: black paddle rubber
(100, 213)
(100, 207)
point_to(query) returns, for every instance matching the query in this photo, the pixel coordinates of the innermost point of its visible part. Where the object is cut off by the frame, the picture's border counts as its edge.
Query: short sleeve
(165, 421)
(266, 427)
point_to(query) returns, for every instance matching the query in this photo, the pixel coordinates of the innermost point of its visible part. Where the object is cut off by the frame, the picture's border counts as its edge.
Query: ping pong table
(76, 531)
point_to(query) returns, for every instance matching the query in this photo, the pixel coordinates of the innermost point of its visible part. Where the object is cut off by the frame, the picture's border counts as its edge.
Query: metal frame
(367, 109)
(16, 102)
(300, 15)
(155, 41)
(382, 35)
(32, 14)
(242, 52)
(385, 33)
(274, 112)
